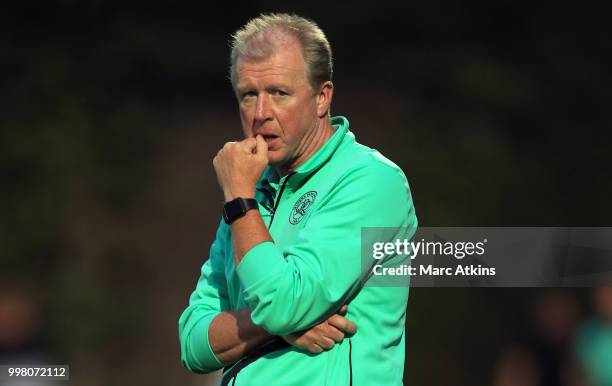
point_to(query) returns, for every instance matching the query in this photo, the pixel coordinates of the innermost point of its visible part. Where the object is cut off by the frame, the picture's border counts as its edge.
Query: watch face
(233, 210)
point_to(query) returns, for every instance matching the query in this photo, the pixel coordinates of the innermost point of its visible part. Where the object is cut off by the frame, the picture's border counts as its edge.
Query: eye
(279, 92)
(248, 94)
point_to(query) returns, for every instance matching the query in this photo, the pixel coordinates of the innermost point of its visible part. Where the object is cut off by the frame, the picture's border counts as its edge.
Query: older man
(283, 287)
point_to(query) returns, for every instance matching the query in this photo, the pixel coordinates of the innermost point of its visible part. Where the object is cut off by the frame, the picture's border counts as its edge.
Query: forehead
(286, 63)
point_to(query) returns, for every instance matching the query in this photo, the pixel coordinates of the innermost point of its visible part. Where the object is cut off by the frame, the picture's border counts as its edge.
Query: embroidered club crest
(301, 207)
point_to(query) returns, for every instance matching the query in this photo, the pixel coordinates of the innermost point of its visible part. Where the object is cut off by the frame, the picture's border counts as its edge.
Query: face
(277, 101)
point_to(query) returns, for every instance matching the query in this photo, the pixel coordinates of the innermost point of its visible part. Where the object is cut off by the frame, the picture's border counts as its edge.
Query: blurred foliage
(497, 111)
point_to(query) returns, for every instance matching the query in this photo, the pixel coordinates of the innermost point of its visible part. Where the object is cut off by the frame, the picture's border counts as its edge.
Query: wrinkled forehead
(282, 62)
(277, 62)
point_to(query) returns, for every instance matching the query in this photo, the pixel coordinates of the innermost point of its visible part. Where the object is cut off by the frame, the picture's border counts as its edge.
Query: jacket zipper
(278, 198)
(350, 362)
(235, 369)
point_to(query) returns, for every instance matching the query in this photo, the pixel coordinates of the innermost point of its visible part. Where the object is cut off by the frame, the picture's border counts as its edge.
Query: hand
(324, 335)
(239, 165)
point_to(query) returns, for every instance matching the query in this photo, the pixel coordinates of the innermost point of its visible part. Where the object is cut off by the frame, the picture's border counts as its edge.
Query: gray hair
(262, 35)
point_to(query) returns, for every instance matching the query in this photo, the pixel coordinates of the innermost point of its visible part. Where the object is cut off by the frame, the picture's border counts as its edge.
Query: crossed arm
(285, 288)
(212, 337)
(232, 334)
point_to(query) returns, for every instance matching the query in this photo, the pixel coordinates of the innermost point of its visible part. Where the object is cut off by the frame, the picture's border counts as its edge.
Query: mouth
(269, 138)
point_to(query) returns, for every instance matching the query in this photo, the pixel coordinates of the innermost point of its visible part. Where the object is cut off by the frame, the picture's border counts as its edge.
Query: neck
(312, 144)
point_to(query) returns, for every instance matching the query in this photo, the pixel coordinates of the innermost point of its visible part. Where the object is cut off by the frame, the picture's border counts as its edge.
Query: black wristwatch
(233, 210)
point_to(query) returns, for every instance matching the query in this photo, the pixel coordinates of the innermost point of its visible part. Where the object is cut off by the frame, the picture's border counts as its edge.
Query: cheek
(244, 113)
(292, 118)
(244, 120)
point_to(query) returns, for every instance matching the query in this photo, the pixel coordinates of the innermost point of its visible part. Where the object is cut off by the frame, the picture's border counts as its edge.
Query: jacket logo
(301, 207)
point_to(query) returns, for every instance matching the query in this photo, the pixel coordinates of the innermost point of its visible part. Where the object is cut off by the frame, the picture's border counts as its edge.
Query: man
(279, 297)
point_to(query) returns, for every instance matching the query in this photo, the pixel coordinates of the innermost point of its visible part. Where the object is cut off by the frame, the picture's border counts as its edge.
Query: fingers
(250, 144)
(343, 310)
(342, 324)
(324, 335)
(335, 334)
(326, 343)
(317, 339)
(313, 345)
(253, 146)
(320, 345)
(261, 146)
(229, 144)
(256, 146)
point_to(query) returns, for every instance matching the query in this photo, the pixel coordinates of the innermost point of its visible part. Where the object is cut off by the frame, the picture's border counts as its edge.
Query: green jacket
(312, 268)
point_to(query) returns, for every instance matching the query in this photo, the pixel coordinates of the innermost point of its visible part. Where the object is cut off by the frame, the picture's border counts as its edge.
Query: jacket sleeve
(292, 289)
(205, 303)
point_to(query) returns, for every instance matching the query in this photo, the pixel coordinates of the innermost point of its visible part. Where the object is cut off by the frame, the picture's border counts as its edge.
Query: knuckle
(307, 336)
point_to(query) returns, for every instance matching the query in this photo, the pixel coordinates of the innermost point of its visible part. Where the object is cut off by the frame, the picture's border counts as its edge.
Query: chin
(275, 159)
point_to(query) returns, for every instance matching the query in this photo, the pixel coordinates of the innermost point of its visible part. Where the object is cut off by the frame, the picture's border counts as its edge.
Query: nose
(263, 111)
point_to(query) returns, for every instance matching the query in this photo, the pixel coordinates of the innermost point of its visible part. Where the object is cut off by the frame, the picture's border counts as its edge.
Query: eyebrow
(275, 86)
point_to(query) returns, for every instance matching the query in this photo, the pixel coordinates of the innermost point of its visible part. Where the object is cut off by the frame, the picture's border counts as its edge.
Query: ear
(324, 98)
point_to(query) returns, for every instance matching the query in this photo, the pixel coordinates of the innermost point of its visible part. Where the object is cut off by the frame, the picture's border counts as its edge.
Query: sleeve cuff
(200, 348)
(261, 261)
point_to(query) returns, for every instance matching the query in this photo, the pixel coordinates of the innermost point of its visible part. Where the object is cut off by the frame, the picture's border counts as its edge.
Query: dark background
(110, 116)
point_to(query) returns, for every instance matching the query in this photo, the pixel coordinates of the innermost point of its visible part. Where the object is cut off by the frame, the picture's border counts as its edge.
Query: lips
(269, 138)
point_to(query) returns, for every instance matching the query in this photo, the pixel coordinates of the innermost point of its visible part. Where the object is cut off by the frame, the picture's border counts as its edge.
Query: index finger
(261, 146)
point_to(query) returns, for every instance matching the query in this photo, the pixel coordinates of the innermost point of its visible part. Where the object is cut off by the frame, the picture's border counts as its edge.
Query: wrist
(229, 196)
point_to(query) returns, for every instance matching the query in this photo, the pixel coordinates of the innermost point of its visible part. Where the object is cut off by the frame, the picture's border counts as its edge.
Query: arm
(211, 337)
(207, 301)
(233, 334)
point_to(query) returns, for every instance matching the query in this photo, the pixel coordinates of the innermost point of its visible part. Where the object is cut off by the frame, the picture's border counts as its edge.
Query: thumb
(261, 148)
(342, 311)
